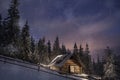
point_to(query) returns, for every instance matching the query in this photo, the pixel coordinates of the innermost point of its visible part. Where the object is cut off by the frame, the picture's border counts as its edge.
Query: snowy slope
(15, 69)
(14, 72)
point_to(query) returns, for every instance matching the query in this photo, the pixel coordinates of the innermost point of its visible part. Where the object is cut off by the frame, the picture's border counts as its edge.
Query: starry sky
(96, 22)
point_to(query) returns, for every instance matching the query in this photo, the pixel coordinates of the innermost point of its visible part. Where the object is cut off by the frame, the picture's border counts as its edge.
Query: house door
(72, 69)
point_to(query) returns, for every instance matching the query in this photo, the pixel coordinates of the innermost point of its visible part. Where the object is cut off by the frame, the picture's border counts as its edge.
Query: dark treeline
(18, 43)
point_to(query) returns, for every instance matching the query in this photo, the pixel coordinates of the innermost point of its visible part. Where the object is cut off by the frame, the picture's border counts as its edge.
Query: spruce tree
(42, 50)
(26, 42)
(49, 49)
(87, 59)
(2, 35)
(94, 68)
(56, 48)
(109, 67)
(63, 50)
(32, 45)
(10, 30)
(75, 52)
(99, 67)
(81, 53)
(32, 49)
(117, 66)
(1, 31)
(12, 23)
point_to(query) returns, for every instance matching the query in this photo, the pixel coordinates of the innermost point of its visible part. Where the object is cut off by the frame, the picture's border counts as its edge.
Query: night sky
(96, 22)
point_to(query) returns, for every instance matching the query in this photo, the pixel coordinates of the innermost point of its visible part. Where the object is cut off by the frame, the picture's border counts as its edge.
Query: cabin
(65, 64)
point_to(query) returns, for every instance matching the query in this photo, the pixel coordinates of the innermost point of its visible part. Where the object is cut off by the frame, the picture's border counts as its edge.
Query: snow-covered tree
(49, 50)
(9, 30)
(12, 23)
(109, 66)
(56, 48)
(26, 42)
(42, 50)
(87, 59)
(32, 45)
(117, 66)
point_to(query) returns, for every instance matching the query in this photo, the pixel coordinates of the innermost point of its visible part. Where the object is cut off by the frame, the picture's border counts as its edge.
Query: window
(74, 69)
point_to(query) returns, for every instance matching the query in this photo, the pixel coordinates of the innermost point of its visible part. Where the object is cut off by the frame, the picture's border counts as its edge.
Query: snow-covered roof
(61, 59)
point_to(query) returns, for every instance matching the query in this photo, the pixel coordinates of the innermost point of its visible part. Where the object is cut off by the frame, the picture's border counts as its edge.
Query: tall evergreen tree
(98, 59)
(1, 30)
(12, 23)
(40, 46)
(42, 50)
(87, 58)
(75, 51)
(109, 67)
(81, 52)
(117, 66)
(99, 66)
(94, 67)
(87, 50)
(32, 49)
(26, 42)
(56, 48)
(0, 20)
(63, 49)
(49, 49)
(32, 45)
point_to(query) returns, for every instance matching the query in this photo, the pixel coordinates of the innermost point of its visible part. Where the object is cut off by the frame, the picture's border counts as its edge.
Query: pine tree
(87, 59)
(75, 51)
(1, 31)
(32, 49)
(94, 67)
(26, 42)
(63, 49)
(42, 50)
(117, 66)
(81, 53)
(109, 67)
(87, 50)
(11, 23)
(32, 45)
(2, 34)
(36, 57)
(49, 49)
(99, 67)
(56, 48)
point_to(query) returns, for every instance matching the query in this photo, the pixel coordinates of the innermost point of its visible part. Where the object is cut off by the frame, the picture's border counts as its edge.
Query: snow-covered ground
(11, 69)
(14, 72)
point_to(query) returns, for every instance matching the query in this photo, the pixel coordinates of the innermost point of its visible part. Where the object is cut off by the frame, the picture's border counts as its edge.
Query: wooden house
(68, 65)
